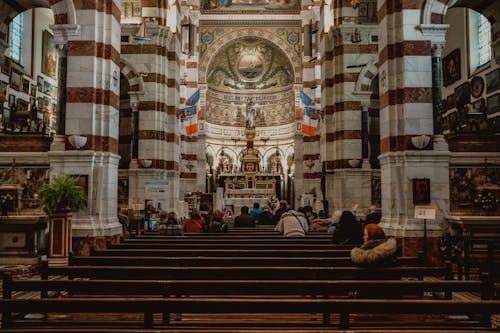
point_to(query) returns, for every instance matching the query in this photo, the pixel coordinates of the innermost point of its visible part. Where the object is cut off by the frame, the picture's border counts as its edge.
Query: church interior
(341, 105)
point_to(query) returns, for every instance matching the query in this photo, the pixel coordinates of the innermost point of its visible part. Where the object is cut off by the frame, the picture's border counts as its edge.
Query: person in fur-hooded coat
(377, 249)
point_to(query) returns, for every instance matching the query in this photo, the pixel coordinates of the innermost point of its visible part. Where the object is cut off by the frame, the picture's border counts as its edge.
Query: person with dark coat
(348, 230)
(373, 217)
(266, 217)
(377, 250)
(217, 223)
(195, 223)
(281, 209)
(244, 219)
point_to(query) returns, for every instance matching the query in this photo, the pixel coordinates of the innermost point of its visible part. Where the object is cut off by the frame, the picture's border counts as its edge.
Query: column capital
(65, 32)
(436, 33)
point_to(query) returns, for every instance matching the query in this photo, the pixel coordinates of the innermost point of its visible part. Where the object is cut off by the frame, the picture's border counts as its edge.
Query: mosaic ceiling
(224, 6)
(250, 63)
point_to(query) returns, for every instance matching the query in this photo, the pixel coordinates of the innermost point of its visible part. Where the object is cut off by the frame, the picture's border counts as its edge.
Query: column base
(82, 245)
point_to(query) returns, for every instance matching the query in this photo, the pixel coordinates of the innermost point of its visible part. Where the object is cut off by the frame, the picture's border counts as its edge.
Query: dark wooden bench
(243, 273)
(229, 240)
(343, 307)
(137, 260)
(253, 236)
(225, 245)
(222, 253)
(226, 329)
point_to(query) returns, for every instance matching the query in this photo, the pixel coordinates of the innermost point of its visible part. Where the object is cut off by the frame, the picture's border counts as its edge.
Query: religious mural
(250, 5)
(250, 63)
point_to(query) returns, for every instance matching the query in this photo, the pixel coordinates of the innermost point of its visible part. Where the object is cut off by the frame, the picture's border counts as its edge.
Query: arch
(365, 77)
(134, 79)
(64, 12)
(235, 34)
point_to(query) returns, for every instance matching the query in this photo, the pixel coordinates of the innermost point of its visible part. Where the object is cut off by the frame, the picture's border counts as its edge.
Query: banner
(156, 192)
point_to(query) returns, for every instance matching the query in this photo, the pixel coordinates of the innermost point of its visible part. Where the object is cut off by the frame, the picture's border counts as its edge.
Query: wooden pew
(344, 307)
(101, 260)
(222, 253)
(135, 244)
(243, 273)
(273, 329)
(253, 236)
(230, 240)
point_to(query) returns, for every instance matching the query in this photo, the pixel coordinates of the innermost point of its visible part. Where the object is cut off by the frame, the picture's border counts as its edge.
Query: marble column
(437, 84)
(62, 74)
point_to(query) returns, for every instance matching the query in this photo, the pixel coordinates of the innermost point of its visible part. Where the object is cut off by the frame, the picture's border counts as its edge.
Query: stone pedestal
(60, 237)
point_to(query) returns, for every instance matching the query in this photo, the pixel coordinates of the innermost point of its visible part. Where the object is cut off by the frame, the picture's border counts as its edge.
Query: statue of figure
(250, 114)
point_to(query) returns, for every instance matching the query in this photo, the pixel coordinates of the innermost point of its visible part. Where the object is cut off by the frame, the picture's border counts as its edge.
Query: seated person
(292, 224)
(244, 219)
(348, 230)
(376, 250)
(373, 215)
(217, 223)
(169, 224)
(266, 217)
(195, 222)
(256, 211)
(322, 222)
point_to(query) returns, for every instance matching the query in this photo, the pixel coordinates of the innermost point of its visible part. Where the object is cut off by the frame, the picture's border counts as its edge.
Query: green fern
(62, 194)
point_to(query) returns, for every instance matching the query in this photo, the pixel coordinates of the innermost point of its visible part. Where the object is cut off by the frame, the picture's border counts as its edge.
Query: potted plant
(59, 199)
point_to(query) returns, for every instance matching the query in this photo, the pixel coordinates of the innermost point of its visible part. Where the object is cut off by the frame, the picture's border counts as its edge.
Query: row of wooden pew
(242, 282)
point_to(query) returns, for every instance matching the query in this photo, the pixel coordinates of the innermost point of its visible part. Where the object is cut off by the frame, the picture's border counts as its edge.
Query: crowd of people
(371, 246)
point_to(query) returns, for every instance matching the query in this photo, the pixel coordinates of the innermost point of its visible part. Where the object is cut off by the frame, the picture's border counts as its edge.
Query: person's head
(283, 204)
(204, 207)
(336, 216)
(244, 210)
(217, 215)
(347, 217)
(172, 215)
(195, 214)
(308, 210)
(372, 208)
(373, 232)
(256, 205)
(163, 213)
(322, 214)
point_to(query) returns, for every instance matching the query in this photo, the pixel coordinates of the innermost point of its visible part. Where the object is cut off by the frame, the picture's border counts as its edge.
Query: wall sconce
(354, 163)
(146, 163)
(77, 141)
(421, 141)
(309, 164)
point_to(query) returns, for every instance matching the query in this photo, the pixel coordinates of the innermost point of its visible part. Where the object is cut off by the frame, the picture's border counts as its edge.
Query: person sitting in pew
(376, 250)
(292, 224)
(195, 222)
(217, 223)
(348, 230)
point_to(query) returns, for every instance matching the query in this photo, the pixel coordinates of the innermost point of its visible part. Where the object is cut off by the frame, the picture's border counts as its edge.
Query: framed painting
(492, 80)
(451, 67)
(4, 90)
(39, 83)
(493, 104)
(26, 86)
(6, 66)
(450, 102)
(33, 89)
(421, 191)
(16, 80)
(47, 88)
(22, 105)
(462, 95)
(49, 55)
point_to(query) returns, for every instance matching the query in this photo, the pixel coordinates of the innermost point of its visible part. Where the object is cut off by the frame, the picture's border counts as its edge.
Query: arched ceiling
(250, 64)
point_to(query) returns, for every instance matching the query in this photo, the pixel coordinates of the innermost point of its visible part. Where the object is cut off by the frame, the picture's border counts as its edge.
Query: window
(484, 40)
(15, 38)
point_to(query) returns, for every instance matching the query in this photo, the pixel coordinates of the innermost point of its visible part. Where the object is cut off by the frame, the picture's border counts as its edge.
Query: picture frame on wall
(49, 55)
(12, 100)
(16, 80)
(493, 80)
(26, 86)
(451, 67)
(4, 89)
(82, 181)
(450, 101)
(493, 104)
(33, 89)
(421, 191)
(22, 105)
(476, 86)
(6, 66)
(47, 88)
(462, 95)
(39, 83)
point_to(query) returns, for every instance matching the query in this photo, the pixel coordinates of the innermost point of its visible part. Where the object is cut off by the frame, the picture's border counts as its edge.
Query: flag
(310, 121)
(194, 98)
(308, 115)
(190, 116)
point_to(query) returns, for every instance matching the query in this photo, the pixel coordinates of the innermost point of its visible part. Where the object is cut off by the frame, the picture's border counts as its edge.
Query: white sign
(425, 212)
(156, 191)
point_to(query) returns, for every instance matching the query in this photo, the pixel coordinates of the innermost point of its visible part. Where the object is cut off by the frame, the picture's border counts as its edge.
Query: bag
(331, 228)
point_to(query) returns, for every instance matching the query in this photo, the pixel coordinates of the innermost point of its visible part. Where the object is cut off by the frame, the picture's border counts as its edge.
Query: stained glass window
(484, 40)
(15, 37)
